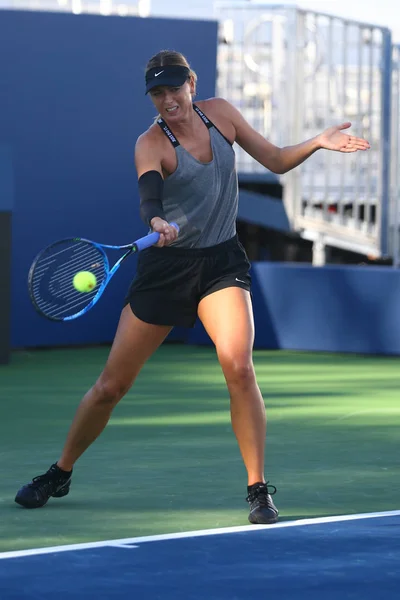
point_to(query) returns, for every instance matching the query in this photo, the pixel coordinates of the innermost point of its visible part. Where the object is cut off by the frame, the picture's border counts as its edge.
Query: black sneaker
(55, 483)
(262, 509)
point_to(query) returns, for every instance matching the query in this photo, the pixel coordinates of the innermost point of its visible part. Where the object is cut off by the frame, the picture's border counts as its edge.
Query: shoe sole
(271, 521)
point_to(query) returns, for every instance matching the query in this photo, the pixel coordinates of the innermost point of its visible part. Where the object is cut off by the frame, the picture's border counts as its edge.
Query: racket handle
(151, 239)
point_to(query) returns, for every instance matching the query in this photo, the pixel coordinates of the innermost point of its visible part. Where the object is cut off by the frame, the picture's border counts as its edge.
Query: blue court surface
(348, 557)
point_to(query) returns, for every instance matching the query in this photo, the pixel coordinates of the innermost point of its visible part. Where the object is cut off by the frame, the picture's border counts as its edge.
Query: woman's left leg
(227, 316)
(228, 319)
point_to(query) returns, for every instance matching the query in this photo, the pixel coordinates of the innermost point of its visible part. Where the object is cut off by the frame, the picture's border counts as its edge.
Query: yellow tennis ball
(84, 281)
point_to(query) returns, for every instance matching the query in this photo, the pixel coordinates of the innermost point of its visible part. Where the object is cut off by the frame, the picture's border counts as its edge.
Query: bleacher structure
(293, 73)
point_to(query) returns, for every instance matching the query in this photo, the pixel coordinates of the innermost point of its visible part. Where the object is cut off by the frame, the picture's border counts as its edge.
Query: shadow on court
(168, 460)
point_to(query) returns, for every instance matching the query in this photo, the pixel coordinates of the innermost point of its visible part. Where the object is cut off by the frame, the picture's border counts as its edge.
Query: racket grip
(151, 239)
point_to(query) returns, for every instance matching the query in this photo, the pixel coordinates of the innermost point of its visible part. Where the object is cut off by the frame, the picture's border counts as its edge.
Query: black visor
(171, 75)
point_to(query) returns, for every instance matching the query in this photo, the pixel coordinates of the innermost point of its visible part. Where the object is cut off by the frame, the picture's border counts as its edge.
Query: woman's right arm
(148, 159)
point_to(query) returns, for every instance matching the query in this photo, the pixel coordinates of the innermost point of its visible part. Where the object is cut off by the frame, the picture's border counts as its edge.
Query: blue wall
(331, 309)
(71, 108)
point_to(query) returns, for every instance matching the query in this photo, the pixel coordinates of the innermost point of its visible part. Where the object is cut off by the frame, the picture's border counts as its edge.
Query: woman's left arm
(281, 160)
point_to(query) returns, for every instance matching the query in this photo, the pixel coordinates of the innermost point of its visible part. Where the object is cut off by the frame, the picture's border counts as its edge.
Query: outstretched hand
(334, 139)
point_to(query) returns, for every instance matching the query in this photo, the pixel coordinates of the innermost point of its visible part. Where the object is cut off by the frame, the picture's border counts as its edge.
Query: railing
(141, 8)
(293, 73)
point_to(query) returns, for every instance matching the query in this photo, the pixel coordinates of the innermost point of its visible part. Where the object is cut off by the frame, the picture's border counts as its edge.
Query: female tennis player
(186, 174)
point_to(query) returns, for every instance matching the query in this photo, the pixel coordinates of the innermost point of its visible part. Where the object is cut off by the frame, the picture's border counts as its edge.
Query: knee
(109, 391)
(238, 371)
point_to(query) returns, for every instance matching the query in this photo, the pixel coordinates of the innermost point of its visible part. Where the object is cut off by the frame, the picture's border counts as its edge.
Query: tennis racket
(51, 276)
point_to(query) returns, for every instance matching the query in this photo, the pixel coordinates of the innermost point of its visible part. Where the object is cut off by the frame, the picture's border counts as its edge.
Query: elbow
(277, 165)
(278, 169)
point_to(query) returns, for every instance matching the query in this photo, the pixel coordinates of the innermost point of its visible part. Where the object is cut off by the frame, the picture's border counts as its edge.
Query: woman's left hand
(334, 139)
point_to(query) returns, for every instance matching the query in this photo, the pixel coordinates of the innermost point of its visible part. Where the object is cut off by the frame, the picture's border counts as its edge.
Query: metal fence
(123, 8)
(293, 73)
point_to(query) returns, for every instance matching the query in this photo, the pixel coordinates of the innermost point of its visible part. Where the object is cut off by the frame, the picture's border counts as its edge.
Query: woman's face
(173, 103)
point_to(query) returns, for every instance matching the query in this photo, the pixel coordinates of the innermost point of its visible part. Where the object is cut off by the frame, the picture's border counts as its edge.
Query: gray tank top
(202, 198)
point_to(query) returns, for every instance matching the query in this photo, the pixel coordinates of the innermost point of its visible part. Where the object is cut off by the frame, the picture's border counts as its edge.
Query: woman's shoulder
(221, 113)
(217, 105)
(151, 132)
(150, 137)
(218, 110)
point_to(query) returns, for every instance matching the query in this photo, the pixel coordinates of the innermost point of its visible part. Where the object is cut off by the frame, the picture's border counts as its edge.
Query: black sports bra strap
(209, 123)
(172, 138)
(203, 117)
(168, 132)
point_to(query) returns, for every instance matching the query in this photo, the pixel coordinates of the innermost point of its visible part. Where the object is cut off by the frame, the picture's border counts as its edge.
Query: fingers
(354, 144)
(350, 149)
(358, 143)
(161, 241)
(344, 125)
(168, 233)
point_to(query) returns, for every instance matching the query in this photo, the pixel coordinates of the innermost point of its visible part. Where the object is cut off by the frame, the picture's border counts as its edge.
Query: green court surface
(168, 460)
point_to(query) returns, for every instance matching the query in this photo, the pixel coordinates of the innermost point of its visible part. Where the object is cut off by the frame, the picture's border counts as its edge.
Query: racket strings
(52, 279)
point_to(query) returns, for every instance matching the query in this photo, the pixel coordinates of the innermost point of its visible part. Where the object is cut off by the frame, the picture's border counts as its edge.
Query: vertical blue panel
(6, 179)
(331, 309)
(6, 204)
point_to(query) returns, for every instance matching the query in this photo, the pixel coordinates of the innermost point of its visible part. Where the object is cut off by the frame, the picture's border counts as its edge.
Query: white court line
(129, 542)
(119, 545)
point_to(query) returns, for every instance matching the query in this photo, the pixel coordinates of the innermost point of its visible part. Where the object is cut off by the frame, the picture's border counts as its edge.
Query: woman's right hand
(168, 233)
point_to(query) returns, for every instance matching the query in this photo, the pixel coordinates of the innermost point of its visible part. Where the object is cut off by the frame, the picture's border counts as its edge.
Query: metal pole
(385, 137)
(319, 251)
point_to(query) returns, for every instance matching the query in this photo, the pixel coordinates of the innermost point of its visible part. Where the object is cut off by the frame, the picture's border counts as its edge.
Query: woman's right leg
(135, 341)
